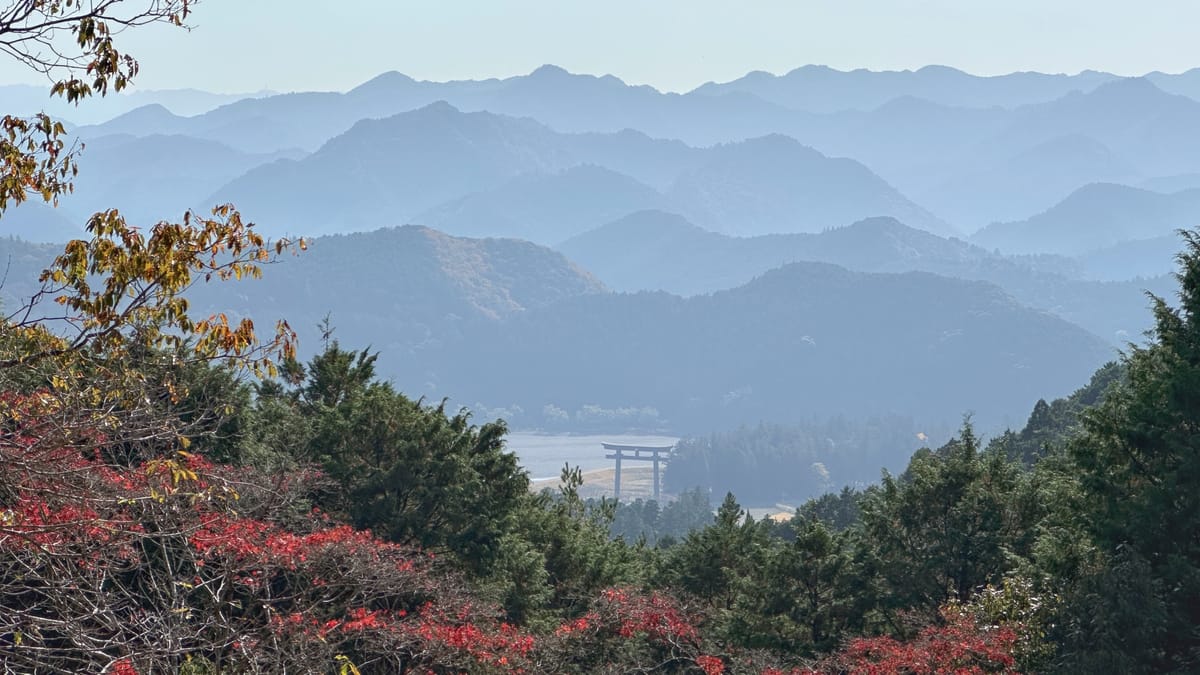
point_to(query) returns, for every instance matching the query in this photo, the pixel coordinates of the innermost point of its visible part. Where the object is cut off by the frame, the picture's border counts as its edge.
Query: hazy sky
(244, 45)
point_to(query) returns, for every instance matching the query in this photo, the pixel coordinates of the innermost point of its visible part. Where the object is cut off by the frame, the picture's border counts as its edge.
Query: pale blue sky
(244, 45)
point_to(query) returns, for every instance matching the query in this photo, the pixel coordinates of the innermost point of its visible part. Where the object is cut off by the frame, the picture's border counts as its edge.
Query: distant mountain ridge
(506, 324)
(966, 165)
(25, 99)
(1094, 217)
(428, 161)
(823, 89)
(653, 250)
(805, 339)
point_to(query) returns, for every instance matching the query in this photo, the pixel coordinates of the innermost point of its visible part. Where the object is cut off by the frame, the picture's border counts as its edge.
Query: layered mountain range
(584, 242)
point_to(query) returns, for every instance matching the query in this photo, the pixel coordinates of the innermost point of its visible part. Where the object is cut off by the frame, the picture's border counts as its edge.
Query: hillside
(1094, 217)
(36, 221)
(774, 184)
(805, 340)
(403, 290)
(155, 177)
(491, 175)
(1027, 182)
(654, 250)
(545, 208)
(823, 89)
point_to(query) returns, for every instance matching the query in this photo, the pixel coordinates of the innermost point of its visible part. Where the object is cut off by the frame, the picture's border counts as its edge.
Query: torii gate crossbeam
(646, 453)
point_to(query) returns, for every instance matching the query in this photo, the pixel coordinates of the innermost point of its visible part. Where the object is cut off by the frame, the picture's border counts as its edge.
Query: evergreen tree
(945, 528)
(409, 472)
(1139, 462)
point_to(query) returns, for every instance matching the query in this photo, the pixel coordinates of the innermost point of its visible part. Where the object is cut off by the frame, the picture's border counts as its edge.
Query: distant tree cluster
(770, 464)
(647, 521)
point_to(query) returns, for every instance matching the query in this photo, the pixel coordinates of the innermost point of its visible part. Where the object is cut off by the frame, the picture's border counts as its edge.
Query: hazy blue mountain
(21, 262)
(407, 168)
(253, 125)
(1028, 182)
(1186, 83)
(152, 178)
(804, 340)
(823, 89)
(913, 143)
(148, 120)
(388, 171)
(1145, 258)
(653, 250)
(1169, 184)
(1158, 133)
(774, 184)
(36, 221)
(656, 250)
(29, 99)
(402, 290)
(1094, 217)
(577, 103)
(564, 101)
(509, 324)
(655, 162)
(545, 208)
(934, 148)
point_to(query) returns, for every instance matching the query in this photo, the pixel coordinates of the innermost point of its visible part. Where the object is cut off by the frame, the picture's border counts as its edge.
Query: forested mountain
(1095, 217)
(407, 290)
(823, 89)
(37, 222)
(26, 99)
(395, 168)
(546, 208)
(405, 165)
(159, 177)
(961, 162)
(505, 323)
(806, 339)
(1155, 131)
(774, 184)
(1029, 181)
(653, 250)
(1146, 258)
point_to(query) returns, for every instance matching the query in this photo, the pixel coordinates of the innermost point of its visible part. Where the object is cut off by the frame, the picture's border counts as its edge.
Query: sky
(674, 45)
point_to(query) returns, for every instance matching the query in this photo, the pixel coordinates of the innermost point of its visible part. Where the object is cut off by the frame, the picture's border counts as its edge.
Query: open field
(635, 482)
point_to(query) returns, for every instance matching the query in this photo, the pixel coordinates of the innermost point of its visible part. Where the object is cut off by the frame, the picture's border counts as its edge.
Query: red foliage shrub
(959, 646)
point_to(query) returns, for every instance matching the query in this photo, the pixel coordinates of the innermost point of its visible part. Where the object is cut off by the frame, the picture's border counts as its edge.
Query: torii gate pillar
(648, 453)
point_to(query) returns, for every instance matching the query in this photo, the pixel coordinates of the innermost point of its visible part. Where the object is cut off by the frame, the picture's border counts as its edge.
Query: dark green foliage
(710, 563)
(1139, 463)
(645, 520)
(1050, 425)
(409, 472)
(768, 464)
(945, 528)
(566, 553)
(837, 511)
(804, 596)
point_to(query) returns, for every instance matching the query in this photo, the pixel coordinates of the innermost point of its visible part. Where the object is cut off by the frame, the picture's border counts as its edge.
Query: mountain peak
(152, 111)
(549, 71)
(937, 69)
(1128, 86)
(439, 108)
(388, 80)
